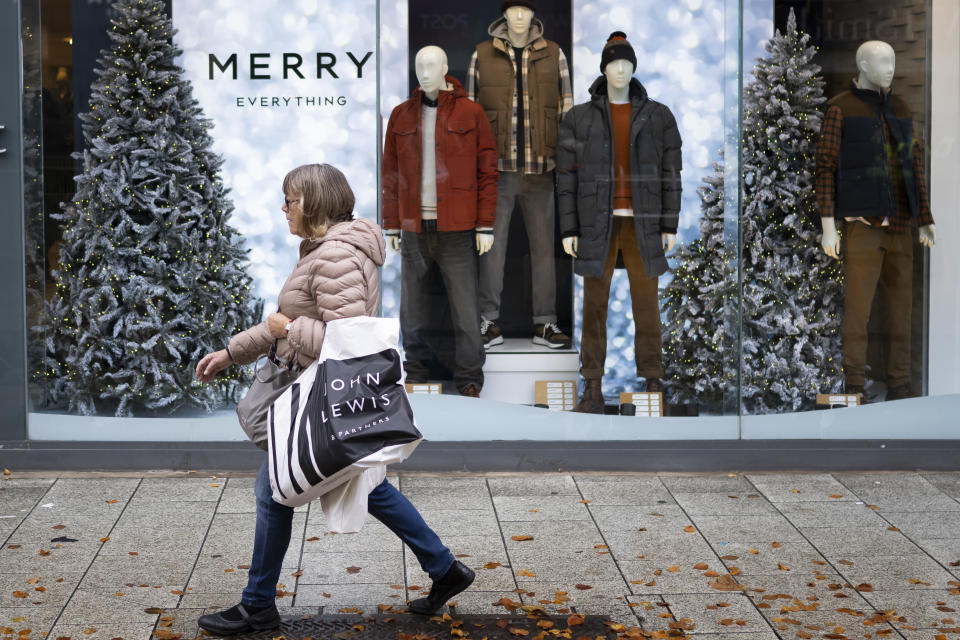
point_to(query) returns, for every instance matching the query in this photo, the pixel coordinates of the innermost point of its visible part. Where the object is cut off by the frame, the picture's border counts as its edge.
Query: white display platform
(513, 368)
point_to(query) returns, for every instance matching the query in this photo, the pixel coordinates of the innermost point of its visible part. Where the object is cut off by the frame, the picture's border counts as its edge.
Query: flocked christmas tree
(791, 291)
(151, 276)
(700, 310)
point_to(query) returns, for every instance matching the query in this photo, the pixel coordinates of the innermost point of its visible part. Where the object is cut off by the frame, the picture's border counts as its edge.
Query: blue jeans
(384, 503)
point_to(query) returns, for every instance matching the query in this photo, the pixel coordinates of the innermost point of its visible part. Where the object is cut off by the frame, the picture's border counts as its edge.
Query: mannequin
(523, 82)
(612, 150)
(870, 174)
(439, 194)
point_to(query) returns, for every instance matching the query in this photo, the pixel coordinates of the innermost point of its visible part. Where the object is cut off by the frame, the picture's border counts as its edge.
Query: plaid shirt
(828, 155)
(533, 164)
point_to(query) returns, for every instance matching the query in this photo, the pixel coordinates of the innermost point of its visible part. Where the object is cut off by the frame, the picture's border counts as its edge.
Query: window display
(521, 80)
(871, 174)
(439, 194)
(618, 180)
(724, 202)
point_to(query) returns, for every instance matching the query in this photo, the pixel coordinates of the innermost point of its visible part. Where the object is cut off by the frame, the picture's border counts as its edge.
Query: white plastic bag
(345, 418)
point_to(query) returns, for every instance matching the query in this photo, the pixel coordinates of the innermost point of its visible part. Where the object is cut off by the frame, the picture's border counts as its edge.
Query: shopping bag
(270, 381)
(347, 412)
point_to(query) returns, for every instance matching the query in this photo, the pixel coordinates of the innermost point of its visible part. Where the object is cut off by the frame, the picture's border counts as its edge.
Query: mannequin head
(618, 73)
(876, 62)
(519, 18)
(431, 68)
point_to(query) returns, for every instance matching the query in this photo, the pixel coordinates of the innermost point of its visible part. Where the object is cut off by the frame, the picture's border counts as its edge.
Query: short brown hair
(325, 196)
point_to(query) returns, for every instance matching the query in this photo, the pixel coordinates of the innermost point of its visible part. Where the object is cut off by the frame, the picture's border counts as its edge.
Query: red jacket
(466, 164)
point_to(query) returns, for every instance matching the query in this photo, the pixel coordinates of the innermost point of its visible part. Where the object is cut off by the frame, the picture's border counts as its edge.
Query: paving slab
(669, 550)
(539, 508)
(200, 489)
(896, 573)
(30, 590)
(707, 482)
(547, 484)
(919, 608)
(624, 491)
(797, 556)
(452, 500)
(946, 481)
(448, 522)
(372, 537)
(444, 481)
(944, 551)
(67, 557)
(723, 504)
(112, 573)
(100, 631)
(717, 613)
(821, 514)
(643, 578)
(803, 487)
(338, 595)
(767, 528)
(928, 524)
(563, 565)
(552, 534)
(373, 568)
(840, 542)
(89, 606)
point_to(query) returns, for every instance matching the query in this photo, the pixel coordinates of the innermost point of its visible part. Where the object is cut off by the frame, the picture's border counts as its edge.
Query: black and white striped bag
(346, 413)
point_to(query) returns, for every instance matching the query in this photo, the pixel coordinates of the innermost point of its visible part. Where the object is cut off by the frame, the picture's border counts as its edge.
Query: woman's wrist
(229, 355)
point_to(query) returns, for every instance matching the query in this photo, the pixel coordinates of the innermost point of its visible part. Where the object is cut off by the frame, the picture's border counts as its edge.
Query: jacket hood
(498, 29)
(363, 234)
(457, 92)
(598, 89)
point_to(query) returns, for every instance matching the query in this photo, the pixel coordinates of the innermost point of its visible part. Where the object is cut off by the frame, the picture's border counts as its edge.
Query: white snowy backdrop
(261, 144)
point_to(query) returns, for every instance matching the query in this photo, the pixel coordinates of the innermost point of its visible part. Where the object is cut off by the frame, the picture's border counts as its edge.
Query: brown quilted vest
(497, 84)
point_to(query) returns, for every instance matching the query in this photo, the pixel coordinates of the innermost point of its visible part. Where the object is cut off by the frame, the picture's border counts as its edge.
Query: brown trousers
(647, 342)
(871, 256)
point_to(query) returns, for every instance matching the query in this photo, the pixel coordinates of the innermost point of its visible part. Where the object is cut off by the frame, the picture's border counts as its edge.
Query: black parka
(585, 173)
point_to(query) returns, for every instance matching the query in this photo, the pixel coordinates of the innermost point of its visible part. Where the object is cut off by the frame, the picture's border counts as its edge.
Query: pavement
(712, 556)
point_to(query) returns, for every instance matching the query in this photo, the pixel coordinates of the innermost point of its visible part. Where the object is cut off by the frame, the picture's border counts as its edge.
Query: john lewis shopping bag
(346, 413)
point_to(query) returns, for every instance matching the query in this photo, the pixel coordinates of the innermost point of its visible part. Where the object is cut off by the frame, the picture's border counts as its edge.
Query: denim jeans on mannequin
(384, 503)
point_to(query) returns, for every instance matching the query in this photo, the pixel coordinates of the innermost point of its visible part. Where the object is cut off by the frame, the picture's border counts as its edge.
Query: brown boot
(592, 399)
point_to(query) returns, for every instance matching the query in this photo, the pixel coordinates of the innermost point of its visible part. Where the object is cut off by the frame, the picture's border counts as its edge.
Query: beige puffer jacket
(336, 277)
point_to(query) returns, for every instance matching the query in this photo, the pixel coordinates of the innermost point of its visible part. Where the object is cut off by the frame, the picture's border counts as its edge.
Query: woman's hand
(277, 324)
(212, 364)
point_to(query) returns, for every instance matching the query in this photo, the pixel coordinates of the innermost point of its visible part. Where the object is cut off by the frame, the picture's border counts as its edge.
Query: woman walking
(336, 277)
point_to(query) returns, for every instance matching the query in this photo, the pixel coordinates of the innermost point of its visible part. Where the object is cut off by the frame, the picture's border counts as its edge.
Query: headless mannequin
(876, 61)
(431, 68)
(618, 74)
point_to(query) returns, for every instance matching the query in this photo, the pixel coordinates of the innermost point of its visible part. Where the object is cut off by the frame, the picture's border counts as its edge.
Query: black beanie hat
(617, 48)
(529, 4)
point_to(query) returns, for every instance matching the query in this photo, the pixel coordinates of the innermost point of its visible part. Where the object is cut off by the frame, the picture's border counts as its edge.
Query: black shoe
(456, 579)
(654, 385)
(226, 623)
(549, 335)
(490, 333)
(470, 391)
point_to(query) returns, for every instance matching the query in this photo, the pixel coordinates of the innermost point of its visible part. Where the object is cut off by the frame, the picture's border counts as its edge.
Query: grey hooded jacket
(585, 168)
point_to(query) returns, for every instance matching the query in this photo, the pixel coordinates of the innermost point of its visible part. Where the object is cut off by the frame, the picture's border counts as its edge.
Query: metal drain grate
(412, 627)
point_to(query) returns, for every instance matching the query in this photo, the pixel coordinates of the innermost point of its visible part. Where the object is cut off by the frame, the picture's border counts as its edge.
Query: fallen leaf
(916, 581)
(133, 553)
(583, 587)
(864, 587)
(526, 574)
(313, 539)
(20, 594)
(16, 546)
(803, 634)
(586, 501)
(350, 610)
(533, 511)
(775, 545)
(726, 622)
(492, 565)
(462, 555)
(59, 526)
(114, 501)
(229, 570)
(700, 566)
(845, 562)
(574, 620)
(673, 569)
(353, 569)
(6, 472)
(243, 566)
(40, 589)
(794, 490)
(836, 495)
(754, 551)
(508, 604)
(516, 631)
(600, 546)
(783, 567)
(726, 583)
(521, 538)
(88, 632)
(711, 574)
(33, 580)
(690, 529)
(106, 539)
(297, 573)
(545, 624)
